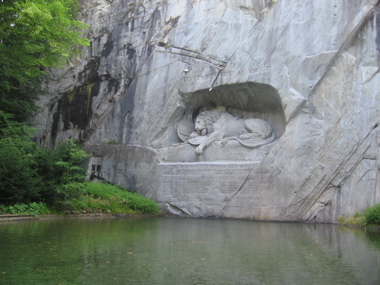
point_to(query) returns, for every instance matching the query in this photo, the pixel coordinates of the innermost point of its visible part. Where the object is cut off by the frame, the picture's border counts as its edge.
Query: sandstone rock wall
(308, 68)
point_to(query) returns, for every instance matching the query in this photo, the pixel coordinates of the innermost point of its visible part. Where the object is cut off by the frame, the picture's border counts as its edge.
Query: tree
(62, 171)
(30, 173)
(19, 180)
(34, 35)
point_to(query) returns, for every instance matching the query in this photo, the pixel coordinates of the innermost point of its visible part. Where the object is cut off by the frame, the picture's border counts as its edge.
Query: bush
(62, 171)
(30, 173)
(19, 179)
(28, 209)
(372, 215)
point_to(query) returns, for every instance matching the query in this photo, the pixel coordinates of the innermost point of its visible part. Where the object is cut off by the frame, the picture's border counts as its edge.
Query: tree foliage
(63, 169)
(34, 35)
(19, 181)
(372, 215)
(30, 173)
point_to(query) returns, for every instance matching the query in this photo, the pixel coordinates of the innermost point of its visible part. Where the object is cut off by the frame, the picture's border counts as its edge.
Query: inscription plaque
(211, 185)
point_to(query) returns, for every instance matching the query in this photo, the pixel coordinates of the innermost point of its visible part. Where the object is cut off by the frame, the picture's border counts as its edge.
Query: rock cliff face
(309, 69)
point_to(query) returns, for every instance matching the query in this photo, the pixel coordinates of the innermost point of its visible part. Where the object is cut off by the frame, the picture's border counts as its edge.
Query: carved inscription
(226, 73)
(260, 69)
(211, 184)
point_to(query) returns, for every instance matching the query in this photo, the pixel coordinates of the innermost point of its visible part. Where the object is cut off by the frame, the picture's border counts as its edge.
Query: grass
(357, 220)
(370, 218)
(97, 198)
(107, 198)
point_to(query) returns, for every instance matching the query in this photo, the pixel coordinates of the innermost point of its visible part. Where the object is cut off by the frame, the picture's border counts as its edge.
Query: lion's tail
(267, 140)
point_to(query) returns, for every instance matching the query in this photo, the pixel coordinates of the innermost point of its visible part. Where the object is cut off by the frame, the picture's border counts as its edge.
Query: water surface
(185, 251)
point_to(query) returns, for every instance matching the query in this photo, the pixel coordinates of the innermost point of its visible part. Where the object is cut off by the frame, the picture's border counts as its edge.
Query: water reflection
(185, 251)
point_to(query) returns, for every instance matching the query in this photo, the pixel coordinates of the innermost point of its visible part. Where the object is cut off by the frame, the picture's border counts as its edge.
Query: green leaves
(372, 215)
(29, 209)
(29, 173)
(63, 170)
(19, 181)
(34, 35)
(41, 33)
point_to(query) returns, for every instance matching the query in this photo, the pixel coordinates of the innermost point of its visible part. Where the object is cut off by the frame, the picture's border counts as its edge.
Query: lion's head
(201, 126)
(204, 123)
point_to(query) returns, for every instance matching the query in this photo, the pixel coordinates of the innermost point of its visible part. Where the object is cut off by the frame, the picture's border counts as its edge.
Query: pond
(185, 251)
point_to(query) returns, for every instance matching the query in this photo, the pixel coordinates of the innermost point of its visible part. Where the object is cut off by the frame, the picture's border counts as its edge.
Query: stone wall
(308, 68)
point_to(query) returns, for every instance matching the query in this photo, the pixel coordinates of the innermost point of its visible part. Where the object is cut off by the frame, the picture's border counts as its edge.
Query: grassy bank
(370, 218)
(96, 198)
(358, 220)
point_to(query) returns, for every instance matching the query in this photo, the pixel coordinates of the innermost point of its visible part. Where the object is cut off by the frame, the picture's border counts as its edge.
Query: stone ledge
(10, 217)
(210, 163)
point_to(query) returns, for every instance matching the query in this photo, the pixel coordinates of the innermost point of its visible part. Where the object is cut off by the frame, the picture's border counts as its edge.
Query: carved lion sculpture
(216, 125)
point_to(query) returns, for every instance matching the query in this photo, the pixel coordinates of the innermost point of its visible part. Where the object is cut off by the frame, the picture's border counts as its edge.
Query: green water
(185, 251)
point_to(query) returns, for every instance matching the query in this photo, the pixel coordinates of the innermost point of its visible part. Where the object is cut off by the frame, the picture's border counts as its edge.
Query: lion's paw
(193, 135)
(199, 150)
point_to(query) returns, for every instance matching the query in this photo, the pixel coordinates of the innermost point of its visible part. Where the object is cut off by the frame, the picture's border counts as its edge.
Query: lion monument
(218, 125)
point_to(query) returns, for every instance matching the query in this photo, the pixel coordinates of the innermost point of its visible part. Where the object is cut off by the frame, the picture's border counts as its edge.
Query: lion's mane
(210, 117)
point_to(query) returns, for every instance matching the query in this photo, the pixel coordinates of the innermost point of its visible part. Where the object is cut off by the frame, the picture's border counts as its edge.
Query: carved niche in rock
(232, 122)
(218, 125)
